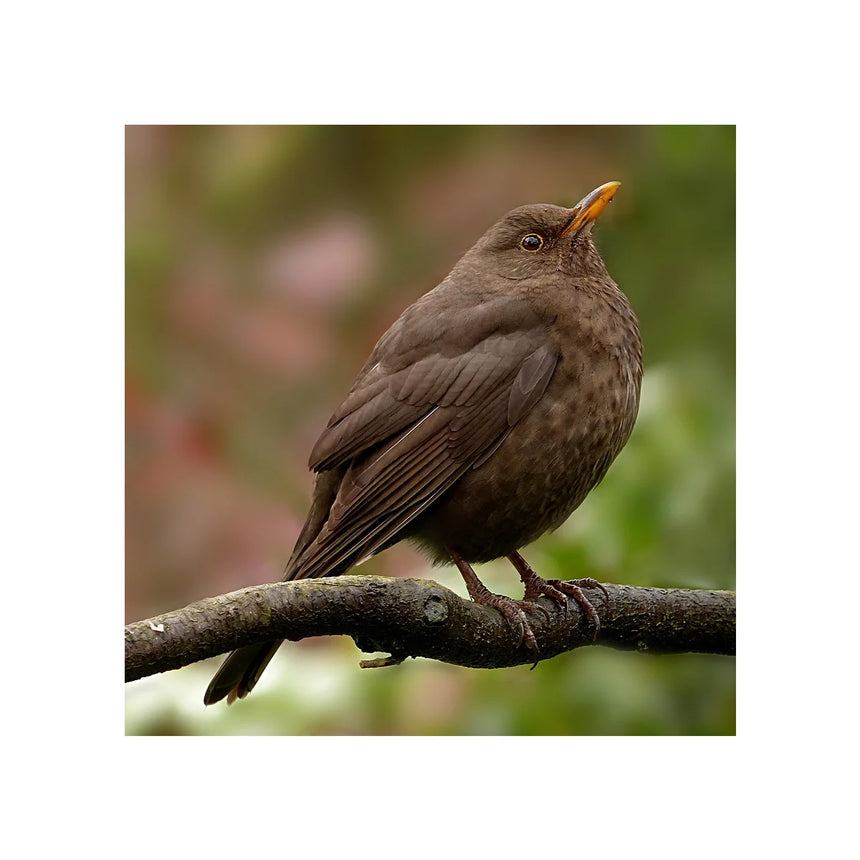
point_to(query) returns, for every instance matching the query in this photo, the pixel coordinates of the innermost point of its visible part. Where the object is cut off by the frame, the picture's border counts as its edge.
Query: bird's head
(541, 238)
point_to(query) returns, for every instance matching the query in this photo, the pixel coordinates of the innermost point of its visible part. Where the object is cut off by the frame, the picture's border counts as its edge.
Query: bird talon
(573, 587)
(535, 607)
(588, 582)
(559, 590)
(512, 611)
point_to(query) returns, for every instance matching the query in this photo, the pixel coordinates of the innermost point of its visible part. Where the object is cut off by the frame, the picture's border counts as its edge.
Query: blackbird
(481, 420)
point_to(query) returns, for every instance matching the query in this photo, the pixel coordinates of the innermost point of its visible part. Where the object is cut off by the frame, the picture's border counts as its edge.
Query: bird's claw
(559, 590)
(514, 612)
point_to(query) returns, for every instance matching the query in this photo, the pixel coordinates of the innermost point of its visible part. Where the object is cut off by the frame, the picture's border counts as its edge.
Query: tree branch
(420, 618)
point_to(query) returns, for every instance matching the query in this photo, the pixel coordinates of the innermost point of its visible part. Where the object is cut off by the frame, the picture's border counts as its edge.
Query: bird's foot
(513, 611)
(559, 589)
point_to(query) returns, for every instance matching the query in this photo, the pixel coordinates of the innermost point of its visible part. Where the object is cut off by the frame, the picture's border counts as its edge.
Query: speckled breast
(548, 462)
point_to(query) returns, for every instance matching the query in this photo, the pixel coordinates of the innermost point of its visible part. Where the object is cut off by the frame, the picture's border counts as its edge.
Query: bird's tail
(240, 672)
(242, 668)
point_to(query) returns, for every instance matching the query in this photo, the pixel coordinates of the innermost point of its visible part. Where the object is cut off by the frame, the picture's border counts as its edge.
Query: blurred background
(263, 263)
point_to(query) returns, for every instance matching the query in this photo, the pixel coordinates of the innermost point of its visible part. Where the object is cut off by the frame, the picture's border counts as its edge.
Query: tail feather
(240, 672)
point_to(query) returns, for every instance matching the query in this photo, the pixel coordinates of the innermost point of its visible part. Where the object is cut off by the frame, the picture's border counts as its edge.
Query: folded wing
(439, 394)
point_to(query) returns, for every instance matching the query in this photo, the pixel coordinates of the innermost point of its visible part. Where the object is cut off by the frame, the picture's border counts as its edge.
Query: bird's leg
(558, 588)
(511, 609)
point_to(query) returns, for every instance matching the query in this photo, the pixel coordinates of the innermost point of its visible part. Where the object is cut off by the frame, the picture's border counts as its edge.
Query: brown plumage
(482, 418)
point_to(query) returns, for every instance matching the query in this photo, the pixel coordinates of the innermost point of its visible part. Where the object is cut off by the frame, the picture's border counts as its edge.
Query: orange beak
(589, 209)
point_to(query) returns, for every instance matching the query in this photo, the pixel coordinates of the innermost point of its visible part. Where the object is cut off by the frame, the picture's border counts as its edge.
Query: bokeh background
(263, 263)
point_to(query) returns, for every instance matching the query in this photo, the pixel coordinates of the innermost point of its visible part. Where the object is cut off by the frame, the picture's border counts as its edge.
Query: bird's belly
(538, 476)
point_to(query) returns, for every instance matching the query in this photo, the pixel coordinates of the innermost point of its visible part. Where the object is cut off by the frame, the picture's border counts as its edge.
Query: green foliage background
(262, 265)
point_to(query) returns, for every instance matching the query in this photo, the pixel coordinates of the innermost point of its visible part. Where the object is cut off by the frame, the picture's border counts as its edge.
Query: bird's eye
(531, 242)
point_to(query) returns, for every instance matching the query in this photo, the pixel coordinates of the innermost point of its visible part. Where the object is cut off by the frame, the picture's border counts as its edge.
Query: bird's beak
(589, 209)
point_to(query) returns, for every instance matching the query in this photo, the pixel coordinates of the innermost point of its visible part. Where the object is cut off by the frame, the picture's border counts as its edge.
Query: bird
(481, 420)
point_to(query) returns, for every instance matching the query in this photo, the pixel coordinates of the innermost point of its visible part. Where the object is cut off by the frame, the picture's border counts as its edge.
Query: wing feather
(430, 404)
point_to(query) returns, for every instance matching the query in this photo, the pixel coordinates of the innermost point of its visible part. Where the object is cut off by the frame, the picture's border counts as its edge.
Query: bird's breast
(547, 463)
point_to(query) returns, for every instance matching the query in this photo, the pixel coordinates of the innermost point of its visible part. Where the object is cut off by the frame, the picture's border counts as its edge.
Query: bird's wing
(439, 394)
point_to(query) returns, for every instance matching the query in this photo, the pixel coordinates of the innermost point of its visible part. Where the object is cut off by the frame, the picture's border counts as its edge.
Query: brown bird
(481, 420)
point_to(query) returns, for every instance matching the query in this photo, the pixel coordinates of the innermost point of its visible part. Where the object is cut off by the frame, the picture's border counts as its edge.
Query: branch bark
(420, 618)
